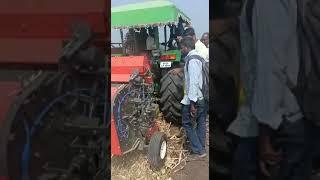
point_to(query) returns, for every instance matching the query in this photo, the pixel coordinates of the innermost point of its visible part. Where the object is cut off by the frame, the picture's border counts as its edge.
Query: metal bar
(156, 36)
(121, 35)
(165, 37)
(134, 147)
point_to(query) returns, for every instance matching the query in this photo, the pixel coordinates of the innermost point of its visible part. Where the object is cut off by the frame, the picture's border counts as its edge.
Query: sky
(196, 10)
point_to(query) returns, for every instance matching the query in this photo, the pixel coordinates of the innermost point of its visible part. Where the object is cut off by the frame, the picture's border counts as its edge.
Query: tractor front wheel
(171, 94)
(157, 151)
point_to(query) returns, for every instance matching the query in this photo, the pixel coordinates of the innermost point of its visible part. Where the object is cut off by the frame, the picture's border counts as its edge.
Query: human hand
(193, 110)
(268, 156)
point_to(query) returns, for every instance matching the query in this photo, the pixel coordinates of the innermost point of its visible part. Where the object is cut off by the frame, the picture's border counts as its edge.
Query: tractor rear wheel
(171, 93)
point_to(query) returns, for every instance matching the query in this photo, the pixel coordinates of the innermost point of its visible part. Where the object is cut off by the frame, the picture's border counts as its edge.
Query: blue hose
(47, 108)
(122, 134)
(27, 146)
(25, 154)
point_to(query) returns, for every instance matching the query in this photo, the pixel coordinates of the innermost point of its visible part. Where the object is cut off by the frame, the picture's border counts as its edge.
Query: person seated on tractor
(129, 42)
(173, 38)
(151, 45)
(141, 40)
(176, 33)
(180, 30)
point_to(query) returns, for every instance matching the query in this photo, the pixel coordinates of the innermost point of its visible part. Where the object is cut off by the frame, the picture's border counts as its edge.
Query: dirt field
(134, 166)
(194, 170)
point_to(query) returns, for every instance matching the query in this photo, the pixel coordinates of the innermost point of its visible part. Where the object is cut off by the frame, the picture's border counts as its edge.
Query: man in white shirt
(194, 108)
(205, 39)
(200, 47)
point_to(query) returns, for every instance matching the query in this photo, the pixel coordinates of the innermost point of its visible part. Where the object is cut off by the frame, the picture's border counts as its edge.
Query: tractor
(53, 76)
(140, 77)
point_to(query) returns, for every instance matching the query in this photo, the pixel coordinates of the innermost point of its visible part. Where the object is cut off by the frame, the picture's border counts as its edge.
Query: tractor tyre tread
(171, 92)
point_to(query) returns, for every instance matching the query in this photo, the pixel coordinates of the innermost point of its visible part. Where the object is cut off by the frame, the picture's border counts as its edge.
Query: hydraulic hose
(47, 108)
(122, 134)
(25, 154)
(119, 118)
(27, 147)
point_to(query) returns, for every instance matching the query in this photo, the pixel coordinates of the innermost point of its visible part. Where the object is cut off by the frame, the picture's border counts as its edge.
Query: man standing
(205, 39)
(201, 48)
(245, 126)
(271, 118)
(194, 106)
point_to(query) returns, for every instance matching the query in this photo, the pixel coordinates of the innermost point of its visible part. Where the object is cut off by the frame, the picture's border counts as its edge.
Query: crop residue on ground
(134, 166)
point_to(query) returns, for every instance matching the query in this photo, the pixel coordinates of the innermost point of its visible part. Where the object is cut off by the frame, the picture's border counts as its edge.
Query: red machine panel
(122, 67)
(115, 145)
(9, 90)
(32, 31)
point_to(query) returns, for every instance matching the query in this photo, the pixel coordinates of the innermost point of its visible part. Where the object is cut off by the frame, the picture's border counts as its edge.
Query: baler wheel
(157, 150)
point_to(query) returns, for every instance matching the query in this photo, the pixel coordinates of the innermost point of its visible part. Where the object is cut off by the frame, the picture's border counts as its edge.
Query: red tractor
(53, 110)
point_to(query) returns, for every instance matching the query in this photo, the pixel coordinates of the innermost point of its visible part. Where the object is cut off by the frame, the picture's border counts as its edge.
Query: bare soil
(194, 170)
